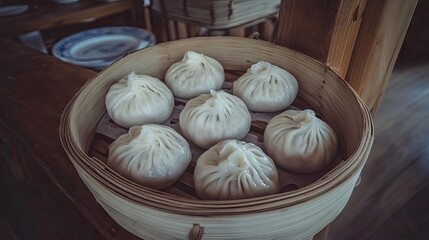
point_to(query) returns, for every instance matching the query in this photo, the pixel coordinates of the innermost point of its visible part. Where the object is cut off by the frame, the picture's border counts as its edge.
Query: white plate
(99, 64)
(13, 10)
(101, 46)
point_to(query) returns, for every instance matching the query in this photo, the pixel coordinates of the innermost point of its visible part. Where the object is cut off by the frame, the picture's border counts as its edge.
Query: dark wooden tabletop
(45, 15)
(34, 89)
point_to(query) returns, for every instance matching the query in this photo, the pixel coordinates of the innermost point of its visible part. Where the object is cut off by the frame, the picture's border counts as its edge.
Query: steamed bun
(152, 155)
(233, 170)
(266, 88)
(194, 75)
(139, 99)
(211, 118)
(300, 142)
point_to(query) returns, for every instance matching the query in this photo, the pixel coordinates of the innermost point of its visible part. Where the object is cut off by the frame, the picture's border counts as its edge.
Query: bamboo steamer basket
(293, 214)
(217, 14)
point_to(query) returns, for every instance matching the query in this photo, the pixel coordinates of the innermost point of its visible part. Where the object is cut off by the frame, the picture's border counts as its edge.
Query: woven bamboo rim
(320, 88)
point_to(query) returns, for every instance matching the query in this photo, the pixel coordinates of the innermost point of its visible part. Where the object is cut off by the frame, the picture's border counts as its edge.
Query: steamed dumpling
(211, 118)
(139, 99)
(266, 88)
(152, 155)
(300, 142)
(194, 75)
(233, 170)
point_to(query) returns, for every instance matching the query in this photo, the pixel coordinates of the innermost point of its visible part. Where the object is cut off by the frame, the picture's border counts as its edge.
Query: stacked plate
(99, 47)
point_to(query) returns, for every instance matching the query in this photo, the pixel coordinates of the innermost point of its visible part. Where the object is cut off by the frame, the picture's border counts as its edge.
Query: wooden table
(34, 89)
(45, 15)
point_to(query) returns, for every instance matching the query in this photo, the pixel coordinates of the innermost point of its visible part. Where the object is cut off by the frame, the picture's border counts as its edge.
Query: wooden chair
(359, 39)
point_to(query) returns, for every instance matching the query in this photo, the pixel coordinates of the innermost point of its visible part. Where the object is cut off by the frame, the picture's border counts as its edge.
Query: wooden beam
(344, 33)
(267, 28)
(323, 29)
(380, 38)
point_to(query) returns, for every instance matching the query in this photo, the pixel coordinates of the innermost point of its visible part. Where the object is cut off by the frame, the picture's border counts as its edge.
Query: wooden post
(358, 39)
(323, 29)
(380, 38)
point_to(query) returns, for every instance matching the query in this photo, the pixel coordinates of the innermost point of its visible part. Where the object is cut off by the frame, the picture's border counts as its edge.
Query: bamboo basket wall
(293, 214)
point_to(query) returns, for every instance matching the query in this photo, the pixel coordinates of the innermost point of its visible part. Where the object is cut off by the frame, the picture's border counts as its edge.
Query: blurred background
(391, 201)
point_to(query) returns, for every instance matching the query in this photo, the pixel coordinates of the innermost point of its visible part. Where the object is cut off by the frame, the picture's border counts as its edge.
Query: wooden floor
(36, 209)
(392, 199)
